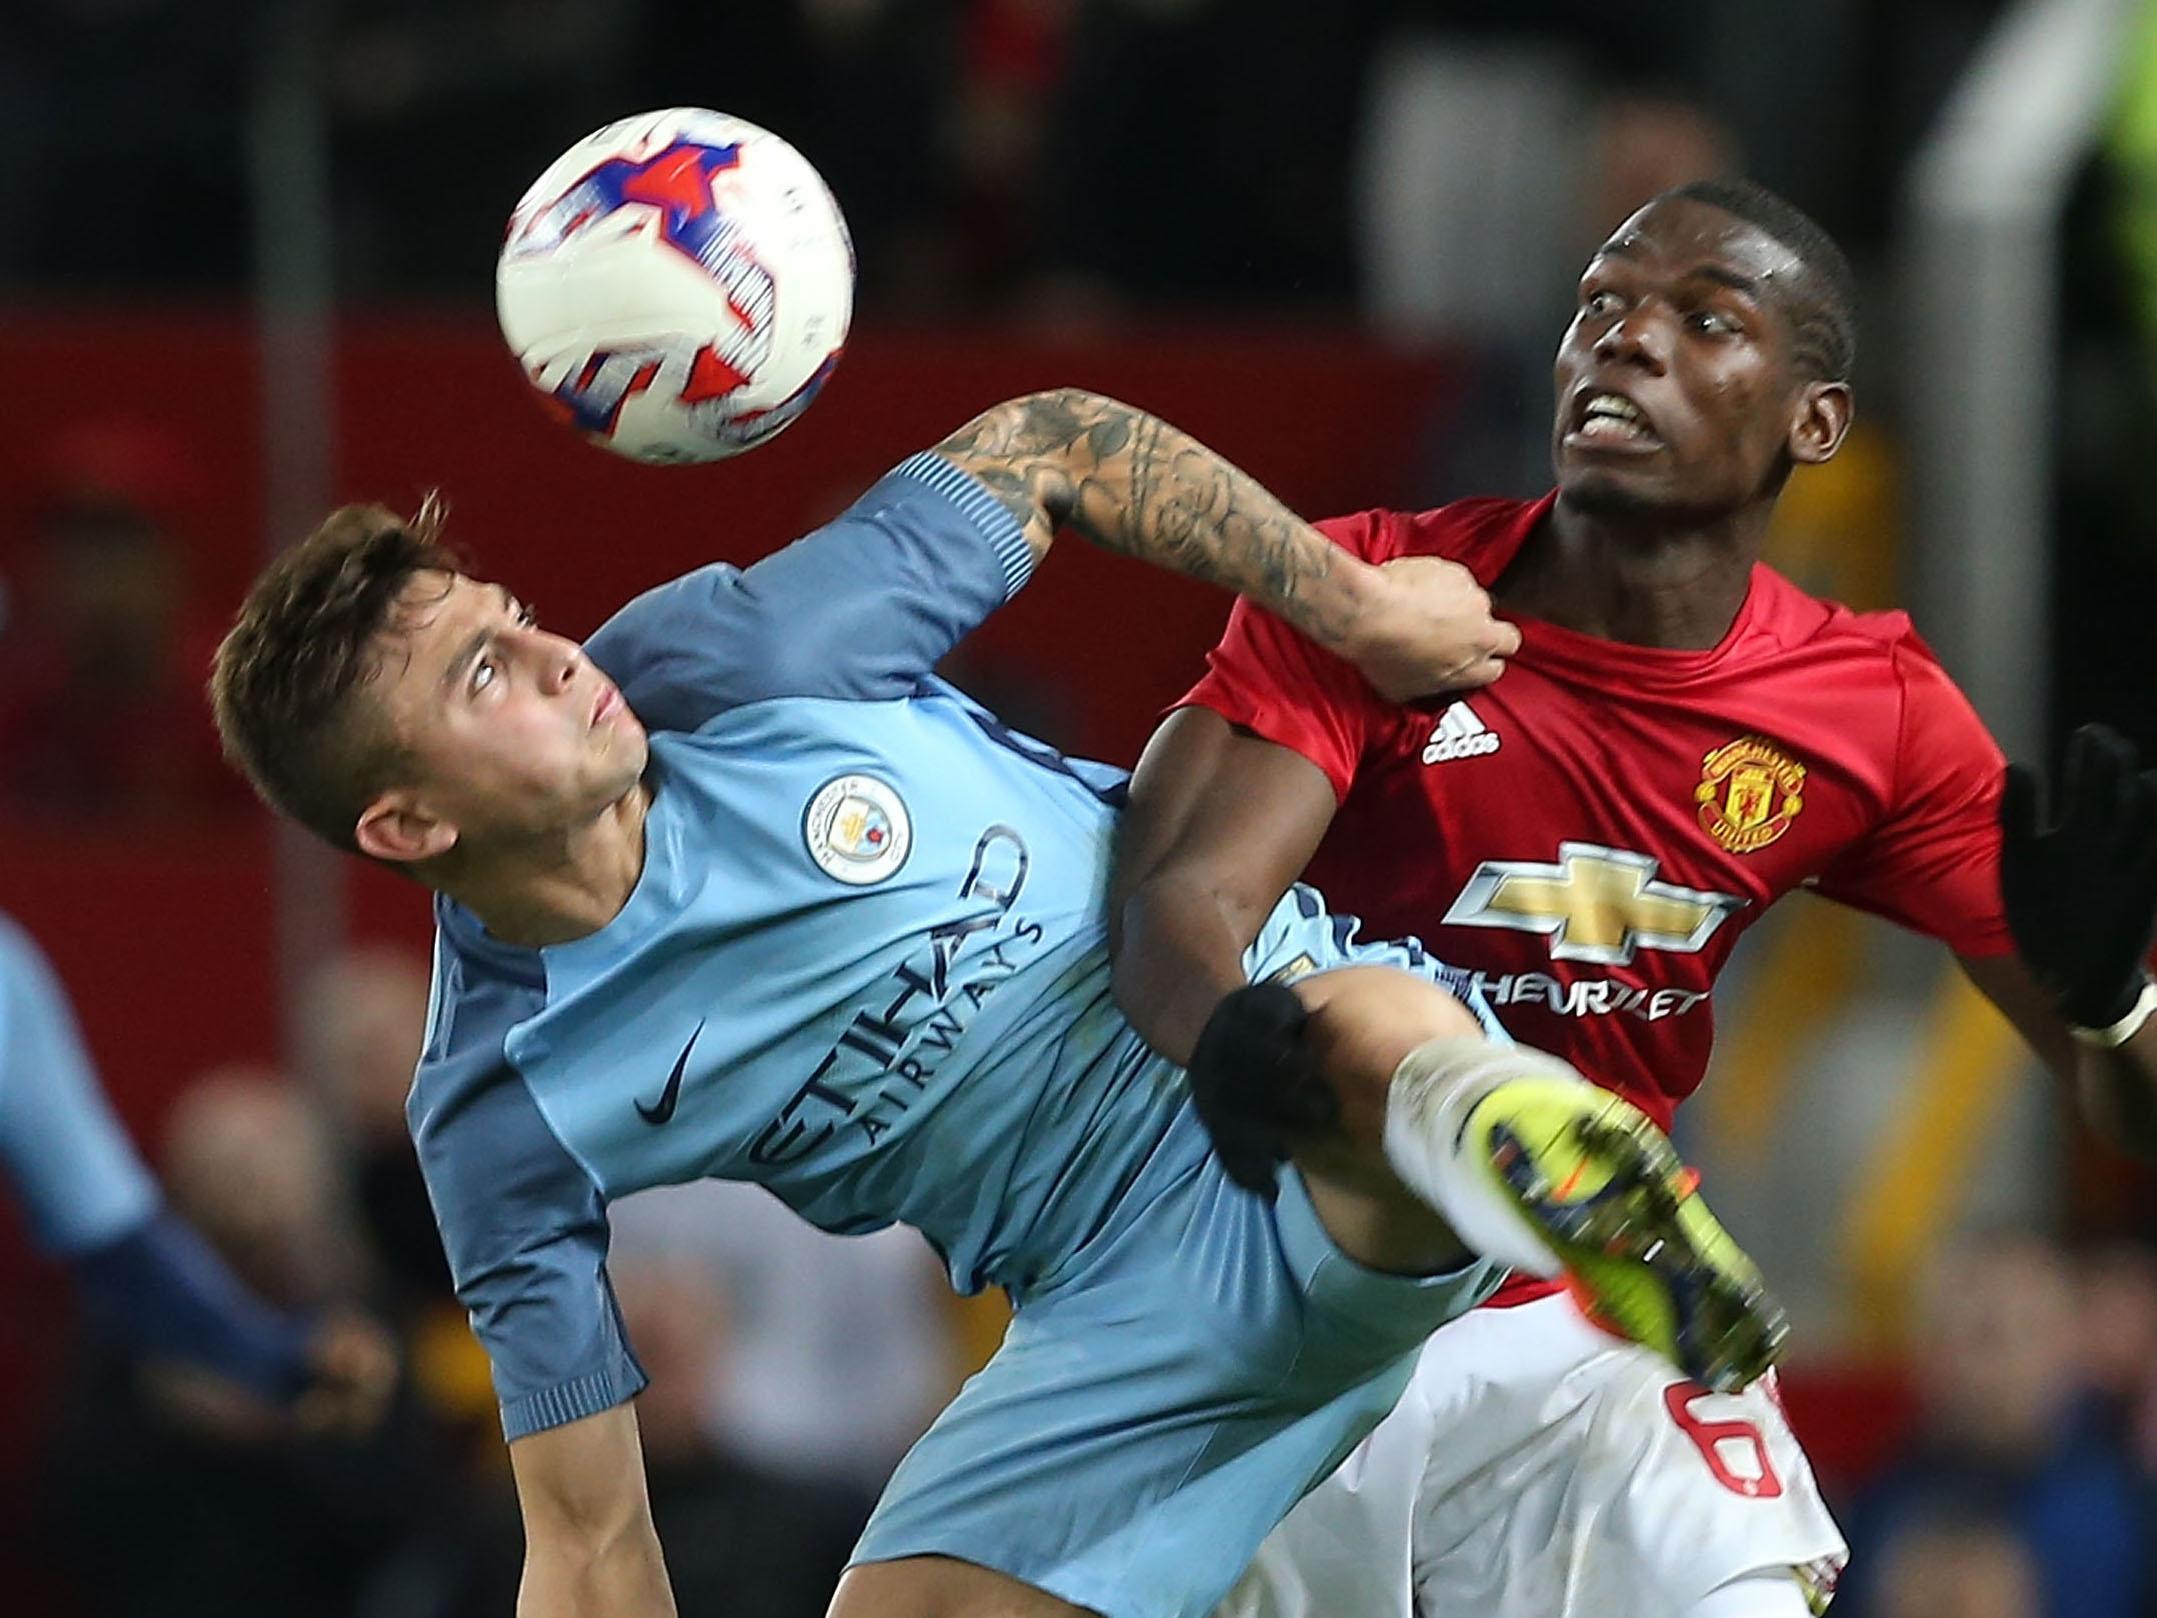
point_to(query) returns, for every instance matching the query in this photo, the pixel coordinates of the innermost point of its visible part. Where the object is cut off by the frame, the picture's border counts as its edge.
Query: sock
(1436, 1087)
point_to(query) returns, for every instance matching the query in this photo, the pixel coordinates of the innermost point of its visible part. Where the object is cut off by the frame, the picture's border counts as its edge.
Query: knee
(1364, 1021)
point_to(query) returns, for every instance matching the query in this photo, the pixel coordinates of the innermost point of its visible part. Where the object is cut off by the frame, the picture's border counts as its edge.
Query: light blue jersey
(865, 966)
(843, 973)
(60, 1145)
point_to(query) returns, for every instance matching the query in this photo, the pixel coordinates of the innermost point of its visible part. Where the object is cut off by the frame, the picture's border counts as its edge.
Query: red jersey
(1591, 834)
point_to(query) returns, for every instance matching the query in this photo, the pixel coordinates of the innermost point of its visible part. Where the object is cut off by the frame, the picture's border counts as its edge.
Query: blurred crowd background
(246, 255)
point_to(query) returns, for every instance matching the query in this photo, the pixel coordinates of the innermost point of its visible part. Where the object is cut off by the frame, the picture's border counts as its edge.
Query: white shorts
(1539, 1468)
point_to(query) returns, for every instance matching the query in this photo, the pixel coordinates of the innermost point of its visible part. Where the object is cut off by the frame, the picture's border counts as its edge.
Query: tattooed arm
(1131, 483)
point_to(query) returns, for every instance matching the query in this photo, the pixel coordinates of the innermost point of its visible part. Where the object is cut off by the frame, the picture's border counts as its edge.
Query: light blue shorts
(1160, 1403)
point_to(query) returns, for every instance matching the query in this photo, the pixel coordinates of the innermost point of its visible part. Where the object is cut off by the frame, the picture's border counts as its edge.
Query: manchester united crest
(1749, 792)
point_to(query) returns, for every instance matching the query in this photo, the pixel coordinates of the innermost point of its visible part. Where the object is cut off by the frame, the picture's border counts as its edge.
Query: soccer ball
(677, 285)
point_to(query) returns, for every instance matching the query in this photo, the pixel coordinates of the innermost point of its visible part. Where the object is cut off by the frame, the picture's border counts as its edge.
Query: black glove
(2081, 891)
(1255, 1086)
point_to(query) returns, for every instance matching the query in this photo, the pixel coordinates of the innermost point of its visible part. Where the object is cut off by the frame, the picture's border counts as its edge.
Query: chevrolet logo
(1596, 904)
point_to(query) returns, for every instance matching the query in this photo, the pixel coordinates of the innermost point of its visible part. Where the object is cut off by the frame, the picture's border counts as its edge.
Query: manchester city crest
(857, 829)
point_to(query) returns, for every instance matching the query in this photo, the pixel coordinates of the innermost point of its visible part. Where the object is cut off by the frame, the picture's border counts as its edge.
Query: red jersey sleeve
(1268, 678)
(1933, 862)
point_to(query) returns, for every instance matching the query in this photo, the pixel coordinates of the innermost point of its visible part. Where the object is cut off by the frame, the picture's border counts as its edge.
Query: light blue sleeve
(862, 608)
(523, 1224)
(60, 1144)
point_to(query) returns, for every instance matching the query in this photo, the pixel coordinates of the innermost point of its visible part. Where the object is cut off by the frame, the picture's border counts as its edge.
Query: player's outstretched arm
(590, 1550)
(1220, 822)
(1132, 483)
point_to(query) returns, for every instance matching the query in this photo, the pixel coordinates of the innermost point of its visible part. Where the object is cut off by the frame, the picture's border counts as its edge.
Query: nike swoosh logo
(664, 1109)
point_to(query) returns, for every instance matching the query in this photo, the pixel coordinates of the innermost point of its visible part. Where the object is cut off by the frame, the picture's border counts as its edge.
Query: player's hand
(1255, 1084)
(352, 1371)
(1428, 628)
(2080, 885)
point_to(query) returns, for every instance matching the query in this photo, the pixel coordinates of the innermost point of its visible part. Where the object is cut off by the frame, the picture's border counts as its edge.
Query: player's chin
(618, 739)
(1615, 491)
(624, 766)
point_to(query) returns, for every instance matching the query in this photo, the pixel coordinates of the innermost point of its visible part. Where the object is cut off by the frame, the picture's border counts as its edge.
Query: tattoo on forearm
(1131, 483)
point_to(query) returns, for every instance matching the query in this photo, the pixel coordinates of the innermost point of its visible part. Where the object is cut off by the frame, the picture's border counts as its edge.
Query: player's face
(513, 733)
(1676, 388)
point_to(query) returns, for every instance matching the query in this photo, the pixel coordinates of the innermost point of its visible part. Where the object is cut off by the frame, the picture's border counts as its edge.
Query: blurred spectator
(101, 710)
(363, 1019)
(840, 1348)
(246, 1158)
(1500, 147)
(2116, 1310)
(175, 1495)
(739, 1538)
(2003, 1434)
(1966, 1569)
(1502, 142)
(1469, 187)
(1641, 144)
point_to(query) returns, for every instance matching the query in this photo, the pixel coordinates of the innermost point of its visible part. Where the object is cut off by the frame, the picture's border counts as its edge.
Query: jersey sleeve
(861, 608)
(78, 1174)
(523, 1224)
(1932, 864)
(1266, 677)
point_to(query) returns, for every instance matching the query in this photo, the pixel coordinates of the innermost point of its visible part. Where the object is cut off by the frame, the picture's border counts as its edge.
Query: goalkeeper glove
(2080, 886)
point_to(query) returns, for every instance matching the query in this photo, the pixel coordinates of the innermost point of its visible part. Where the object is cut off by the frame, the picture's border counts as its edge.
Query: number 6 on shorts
(1709, 1436)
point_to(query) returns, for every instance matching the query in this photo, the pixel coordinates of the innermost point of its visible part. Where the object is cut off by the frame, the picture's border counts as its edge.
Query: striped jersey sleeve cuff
(572, 1401)
(987, 513)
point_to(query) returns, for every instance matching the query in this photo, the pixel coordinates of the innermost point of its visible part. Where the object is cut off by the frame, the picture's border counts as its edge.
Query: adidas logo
(1459, 734)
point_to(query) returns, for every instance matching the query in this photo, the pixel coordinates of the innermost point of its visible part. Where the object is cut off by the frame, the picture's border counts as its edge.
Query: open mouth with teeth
(1613, 421)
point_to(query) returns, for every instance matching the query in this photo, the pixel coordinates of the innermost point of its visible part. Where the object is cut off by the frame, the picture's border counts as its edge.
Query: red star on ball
(679, 178)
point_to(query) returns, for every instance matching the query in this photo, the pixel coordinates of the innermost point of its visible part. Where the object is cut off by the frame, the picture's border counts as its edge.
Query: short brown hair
(303, 644)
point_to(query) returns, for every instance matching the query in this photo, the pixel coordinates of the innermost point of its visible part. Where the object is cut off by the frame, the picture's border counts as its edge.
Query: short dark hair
(1823, 312)
(303, 644)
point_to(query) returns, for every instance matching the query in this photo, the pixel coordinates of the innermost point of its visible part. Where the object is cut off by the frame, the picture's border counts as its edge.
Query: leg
(1386, 1185)
(1159, 1402)
(1539, 1468)
(941, 1587)
(1364, 1022)
(1445, 1142)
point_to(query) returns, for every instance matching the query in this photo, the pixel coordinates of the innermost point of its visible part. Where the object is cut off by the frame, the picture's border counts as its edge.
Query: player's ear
(397, 829)
(1822, 418)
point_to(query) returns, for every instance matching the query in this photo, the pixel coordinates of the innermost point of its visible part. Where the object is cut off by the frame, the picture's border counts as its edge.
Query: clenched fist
(1425, 628)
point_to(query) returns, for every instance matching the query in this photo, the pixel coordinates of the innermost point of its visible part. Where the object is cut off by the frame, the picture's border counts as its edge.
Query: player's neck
(1645, 583)
(566, 889)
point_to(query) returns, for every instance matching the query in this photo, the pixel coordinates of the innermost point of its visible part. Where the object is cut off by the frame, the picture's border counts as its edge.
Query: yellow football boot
(1604, 1190)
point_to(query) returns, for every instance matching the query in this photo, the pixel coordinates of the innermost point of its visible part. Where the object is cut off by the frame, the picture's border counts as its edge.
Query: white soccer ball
(677, 285)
